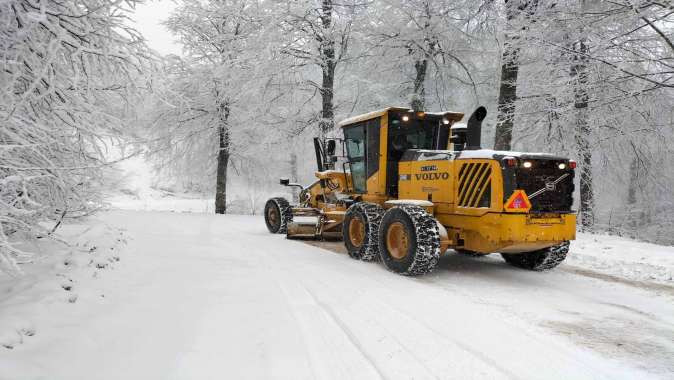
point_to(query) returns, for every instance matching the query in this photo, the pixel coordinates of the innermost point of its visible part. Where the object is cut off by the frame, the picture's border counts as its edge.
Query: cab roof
(453, 116)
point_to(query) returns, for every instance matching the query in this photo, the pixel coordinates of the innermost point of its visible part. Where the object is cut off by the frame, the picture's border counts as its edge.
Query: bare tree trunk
(507, 96)
(223, 159)
(328, 63)
(418, 101)
(506, 99)
(635, 213)
(582, 132)
(632, 185)
(419, 97)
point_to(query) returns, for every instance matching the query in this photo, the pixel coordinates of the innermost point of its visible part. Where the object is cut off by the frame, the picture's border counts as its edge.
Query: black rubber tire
(423, 252)
(284, 210)
(543, 259)
(370, 214)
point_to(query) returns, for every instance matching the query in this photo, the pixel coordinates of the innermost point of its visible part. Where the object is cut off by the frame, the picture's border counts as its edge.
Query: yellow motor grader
(405, 186)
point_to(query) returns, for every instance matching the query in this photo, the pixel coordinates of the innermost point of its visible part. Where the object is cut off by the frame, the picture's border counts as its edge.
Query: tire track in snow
(645, 339)
(347, 331)
(327, 339)
(323, 331)
(532, 338)
(428, 332)
(417, 331)
(415, 368)
(418, 370)
(652, 286)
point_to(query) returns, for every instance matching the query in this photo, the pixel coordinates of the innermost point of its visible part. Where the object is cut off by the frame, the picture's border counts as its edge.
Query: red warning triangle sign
(518, 202)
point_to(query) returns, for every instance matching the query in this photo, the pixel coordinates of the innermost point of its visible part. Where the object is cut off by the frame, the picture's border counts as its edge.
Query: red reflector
(518, 202)
(510, 161)
(572, 164)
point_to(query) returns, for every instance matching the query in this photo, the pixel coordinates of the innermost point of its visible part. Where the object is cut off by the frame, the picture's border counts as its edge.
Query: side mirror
(284, 181)
(330, 149)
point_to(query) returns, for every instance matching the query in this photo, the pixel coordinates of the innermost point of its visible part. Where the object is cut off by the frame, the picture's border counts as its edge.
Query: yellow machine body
(467, 194)
(481, 228)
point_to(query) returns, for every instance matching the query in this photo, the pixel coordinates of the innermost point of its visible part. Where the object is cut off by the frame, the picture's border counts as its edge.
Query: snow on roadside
(161, 201)
(623, 257)
(58, 276)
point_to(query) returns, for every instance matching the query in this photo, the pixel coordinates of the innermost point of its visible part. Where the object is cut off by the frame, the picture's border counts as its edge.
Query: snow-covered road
(200, 296)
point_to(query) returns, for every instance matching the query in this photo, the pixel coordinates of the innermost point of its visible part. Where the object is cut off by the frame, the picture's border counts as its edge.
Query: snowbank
(59, 277)
(622, 257)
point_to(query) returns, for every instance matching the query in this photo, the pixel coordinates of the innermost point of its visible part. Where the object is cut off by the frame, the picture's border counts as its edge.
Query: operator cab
(404, 130)
(412, 130)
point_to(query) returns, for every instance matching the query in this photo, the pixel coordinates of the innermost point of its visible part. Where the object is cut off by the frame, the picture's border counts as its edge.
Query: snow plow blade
(309, 223)
(304, 230)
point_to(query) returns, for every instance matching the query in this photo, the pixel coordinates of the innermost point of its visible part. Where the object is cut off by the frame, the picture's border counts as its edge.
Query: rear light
(572, 164)
(527, 164)
(562, 166)
(510, 162)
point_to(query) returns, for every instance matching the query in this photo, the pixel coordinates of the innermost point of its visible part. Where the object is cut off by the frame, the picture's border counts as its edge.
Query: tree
(214, 83)
(318, 34)
(519, 14)
(580, 78)
(590, 71)
(69, 68)
(426, 51)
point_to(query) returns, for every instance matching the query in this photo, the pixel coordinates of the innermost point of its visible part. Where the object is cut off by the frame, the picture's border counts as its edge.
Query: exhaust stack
(474, 129)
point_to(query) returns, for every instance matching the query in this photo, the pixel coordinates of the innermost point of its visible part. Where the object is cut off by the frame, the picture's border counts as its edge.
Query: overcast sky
(148, 18)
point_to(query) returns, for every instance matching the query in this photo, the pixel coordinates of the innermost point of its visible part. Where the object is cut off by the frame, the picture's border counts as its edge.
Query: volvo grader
(403, 187)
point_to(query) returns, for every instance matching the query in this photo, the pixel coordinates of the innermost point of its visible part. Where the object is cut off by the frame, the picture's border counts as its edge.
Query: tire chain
(428, 241)
(372, 213)
(286, 213)
(541, 260)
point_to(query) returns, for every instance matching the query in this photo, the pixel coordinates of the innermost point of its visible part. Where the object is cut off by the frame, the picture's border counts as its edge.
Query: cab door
(354, 138)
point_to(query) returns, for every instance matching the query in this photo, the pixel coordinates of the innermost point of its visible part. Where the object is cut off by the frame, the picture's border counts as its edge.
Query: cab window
(355, 150)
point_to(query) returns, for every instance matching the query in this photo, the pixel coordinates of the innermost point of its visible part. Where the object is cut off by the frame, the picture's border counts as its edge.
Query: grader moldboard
(409, 185)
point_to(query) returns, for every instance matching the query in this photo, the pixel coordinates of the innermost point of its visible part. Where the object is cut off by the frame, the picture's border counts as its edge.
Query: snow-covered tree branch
(69, 70)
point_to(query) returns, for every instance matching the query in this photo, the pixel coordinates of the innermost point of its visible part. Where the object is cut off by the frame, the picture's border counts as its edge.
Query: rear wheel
(359, 230)
(277, 215)
(409, 240)
(540, 260)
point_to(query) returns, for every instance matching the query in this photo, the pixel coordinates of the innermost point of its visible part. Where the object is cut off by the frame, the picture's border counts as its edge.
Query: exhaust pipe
(474, 129)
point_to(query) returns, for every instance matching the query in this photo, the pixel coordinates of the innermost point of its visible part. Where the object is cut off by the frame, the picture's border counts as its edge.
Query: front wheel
(409, 240)
(359, 230)
(277, 215)
(540, 260)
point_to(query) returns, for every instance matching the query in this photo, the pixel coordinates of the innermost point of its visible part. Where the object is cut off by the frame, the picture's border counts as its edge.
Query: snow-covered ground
(197, 296)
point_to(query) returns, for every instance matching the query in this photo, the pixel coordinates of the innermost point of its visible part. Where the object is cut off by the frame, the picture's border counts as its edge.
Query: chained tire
(543, 259)
(409, 240)
(360, 230)
(277, 215)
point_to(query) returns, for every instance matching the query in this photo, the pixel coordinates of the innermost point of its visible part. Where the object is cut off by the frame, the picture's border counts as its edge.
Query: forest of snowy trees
(592, 80)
